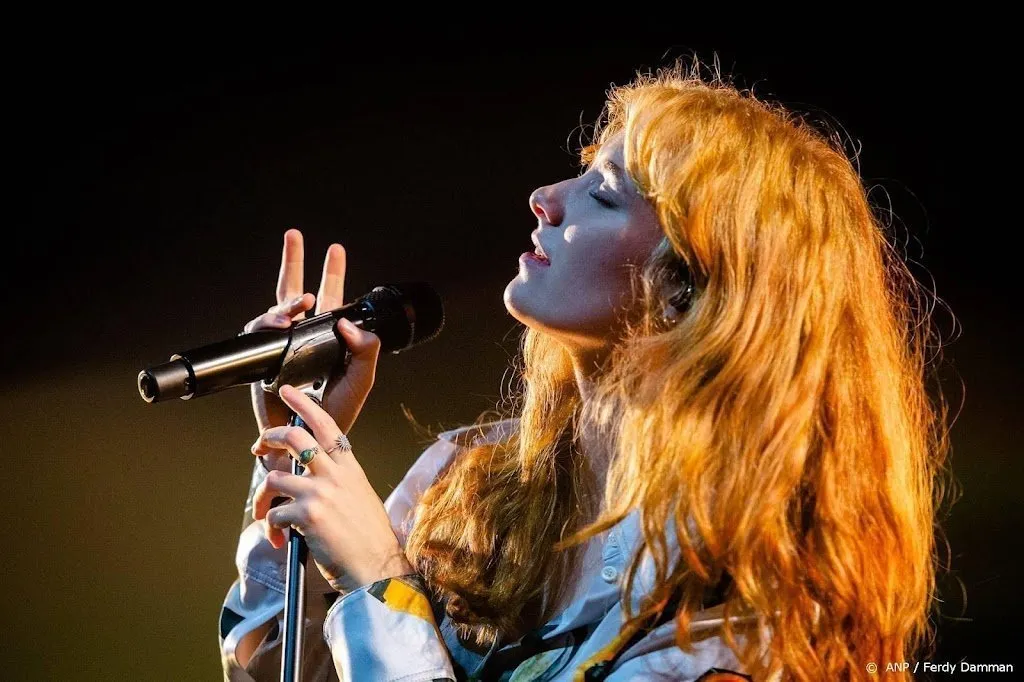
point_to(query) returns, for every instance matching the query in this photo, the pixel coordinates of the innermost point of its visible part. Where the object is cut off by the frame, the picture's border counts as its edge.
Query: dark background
(151, 181)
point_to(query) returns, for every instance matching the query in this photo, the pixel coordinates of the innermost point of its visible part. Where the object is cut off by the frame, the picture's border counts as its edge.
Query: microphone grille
(410, 313)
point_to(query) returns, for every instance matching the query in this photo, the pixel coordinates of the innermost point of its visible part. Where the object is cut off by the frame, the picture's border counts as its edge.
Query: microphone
(402, 315)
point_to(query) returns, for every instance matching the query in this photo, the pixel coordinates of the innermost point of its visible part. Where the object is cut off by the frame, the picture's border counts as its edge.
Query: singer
(720, 462)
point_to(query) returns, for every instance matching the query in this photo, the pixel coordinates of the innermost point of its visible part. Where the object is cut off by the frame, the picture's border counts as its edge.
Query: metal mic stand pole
(310, 359)
(295, 582)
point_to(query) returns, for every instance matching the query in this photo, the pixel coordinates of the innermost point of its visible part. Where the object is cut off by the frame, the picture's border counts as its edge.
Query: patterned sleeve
(386, 631)
(257, 594)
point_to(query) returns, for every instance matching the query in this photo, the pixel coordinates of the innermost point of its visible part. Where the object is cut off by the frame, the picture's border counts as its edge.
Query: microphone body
(401, 315)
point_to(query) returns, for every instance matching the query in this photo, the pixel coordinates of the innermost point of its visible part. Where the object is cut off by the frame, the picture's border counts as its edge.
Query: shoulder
(658, 656)
(489, 432)
(433, 461)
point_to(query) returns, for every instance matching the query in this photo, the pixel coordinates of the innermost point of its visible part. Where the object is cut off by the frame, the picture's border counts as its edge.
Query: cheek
(604, 259)
(602, 273)
(595, 279)
(588, 284)
(592, 250)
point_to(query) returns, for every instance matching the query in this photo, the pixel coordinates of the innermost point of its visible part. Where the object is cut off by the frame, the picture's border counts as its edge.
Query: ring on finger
(340, 443)
(307, 455)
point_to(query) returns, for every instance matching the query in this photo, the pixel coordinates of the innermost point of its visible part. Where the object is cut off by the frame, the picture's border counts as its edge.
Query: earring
(679, 302)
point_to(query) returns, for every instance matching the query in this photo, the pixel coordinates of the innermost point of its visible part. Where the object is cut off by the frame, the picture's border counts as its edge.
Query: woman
(721, 463)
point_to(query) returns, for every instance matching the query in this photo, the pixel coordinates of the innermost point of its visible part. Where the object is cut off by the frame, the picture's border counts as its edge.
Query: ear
(678, 302)
(670, 315)
(681, 299)
(682, 288)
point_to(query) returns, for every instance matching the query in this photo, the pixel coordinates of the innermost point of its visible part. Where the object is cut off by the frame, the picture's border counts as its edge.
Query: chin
(541, 313)
(522, 304)
(514, 303)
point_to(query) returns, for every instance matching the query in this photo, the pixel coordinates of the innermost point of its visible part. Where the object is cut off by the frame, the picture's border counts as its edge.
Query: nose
(544, 203)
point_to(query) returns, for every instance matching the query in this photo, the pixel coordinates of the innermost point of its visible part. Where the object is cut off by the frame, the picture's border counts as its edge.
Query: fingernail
(298, 299)
(347, 324)
(282, 319)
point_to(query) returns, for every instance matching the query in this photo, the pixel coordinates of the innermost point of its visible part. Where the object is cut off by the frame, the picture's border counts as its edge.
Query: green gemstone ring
(307, 455)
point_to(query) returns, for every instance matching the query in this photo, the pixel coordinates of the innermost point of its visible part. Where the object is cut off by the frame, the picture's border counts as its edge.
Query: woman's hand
(332, 504)
(344, 395)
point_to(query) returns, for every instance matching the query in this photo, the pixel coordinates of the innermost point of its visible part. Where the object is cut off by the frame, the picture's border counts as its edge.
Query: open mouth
(533, 257)
(538, 250)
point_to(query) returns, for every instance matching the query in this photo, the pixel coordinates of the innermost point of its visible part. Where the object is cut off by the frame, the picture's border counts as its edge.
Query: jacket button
(609, 574)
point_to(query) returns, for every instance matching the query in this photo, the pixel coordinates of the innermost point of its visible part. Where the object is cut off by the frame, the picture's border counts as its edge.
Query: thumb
(365, 348)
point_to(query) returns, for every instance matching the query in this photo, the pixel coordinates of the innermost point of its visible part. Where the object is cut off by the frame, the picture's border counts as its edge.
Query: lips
(538, 249)
(531, 257)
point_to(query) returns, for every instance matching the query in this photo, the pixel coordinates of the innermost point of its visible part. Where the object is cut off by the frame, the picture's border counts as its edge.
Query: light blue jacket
(388, 631)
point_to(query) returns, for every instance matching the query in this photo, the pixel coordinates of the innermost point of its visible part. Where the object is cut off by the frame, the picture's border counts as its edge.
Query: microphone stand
(295, 591)
(295, 576)
(303, 367)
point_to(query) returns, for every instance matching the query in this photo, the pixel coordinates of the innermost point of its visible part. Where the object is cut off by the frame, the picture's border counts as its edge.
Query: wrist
(398, 565)
(394, 566)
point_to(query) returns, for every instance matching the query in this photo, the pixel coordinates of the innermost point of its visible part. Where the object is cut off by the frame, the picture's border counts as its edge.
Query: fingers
(364, 345)
(322, 424)
(282, 517)
(295, 308)
(268, 320)
(294, 440)
(346, 398)
(278, 484)
(332, 283)
(282, 315)
(289, 280)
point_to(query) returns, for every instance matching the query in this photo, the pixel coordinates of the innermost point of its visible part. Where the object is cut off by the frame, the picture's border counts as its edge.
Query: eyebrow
(620, 176)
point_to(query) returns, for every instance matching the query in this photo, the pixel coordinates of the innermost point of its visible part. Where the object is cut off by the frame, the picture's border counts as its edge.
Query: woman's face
(591, 229)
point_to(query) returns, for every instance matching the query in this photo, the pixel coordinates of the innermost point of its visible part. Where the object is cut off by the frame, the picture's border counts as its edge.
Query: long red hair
(780, 432)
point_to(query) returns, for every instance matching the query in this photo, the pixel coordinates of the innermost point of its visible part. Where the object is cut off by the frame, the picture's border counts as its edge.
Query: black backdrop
(152, 179)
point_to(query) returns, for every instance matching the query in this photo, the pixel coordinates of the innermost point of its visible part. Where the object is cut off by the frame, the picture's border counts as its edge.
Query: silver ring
(340, 443)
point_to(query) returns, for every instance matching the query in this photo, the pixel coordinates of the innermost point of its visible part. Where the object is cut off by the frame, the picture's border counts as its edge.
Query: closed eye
(601, 200)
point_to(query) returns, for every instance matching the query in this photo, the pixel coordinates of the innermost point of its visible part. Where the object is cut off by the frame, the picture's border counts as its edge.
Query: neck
(587, 364)
(587, 367)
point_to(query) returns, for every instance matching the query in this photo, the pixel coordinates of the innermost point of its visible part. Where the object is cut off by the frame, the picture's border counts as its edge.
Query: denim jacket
(390, 631)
